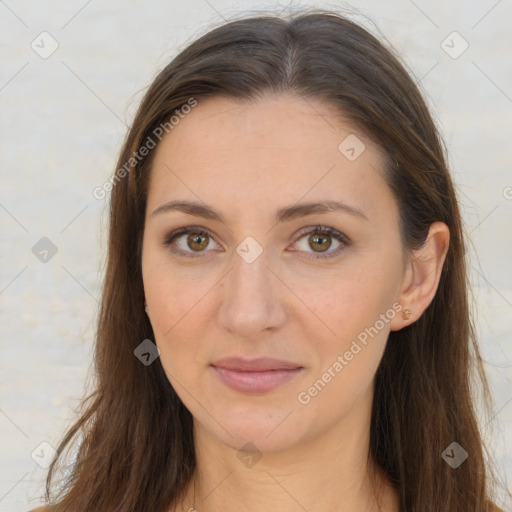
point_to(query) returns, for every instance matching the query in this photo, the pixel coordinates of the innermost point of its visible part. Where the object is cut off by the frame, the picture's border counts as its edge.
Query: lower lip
(255, 382)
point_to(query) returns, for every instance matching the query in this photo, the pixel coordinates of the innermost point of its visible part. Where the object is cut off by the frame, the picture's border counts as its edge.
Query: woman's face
(253, 277)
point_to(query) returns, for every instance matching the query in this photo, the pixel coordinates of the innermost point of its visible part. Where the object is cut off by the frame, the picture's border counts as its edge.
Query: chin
(268, 431)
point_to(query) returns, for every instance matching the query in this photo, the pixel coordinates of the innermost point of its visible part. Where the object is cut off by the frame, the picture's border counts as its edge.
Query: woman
(284, 322)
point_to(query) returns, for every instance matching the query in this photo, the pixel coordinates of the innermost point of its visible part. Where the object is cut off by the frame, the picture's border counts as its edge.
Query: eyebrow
(285, 214)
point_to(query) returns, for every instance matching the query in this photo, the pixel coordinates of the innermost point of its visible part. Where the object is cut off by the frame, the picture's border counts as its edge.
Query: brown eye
(189, 241)
(320, 242)
(197, 242)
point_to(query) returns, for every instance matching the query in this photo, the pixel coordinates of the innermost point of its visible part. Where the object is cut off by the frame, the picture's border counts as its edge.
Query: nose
(253, 298)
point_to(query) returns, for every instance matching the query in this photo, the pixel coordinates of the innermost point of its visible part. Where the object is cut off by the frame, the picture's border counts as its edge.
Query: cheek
(178, 316)
(348, 301)
(351, 322)
(178, 303)
(174, 294)
(349, 352)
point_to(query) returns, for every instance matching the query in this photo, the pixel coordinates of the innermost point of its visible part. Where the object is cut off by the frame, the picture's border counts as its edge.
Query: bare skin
(247, 160)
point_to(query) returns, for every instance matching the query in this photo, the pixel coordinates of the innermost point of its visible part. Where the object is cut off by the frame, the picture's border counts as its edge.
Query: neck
(330, 473)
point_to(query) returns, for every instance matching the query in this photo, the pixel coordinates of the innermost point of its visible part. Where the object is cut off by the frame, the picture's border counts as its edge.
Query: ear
(422, 274)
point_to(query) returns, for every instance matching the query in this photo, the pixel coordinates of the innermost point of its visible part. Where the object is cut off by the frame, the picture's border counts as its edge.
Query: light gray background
(63, 119)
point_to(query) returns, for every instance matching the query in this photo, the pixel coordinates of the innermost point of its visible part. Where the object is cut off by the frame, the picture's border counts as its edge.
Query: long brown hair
(135, 449)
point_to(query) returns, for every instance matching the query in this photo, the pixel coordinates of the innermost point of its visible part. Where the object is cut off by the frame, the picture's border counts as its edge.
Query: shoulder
(39, 509)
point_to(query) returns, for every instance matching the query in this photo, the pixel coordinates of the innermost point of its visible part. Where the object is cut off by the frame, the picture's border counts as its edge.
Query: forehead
(273, 150)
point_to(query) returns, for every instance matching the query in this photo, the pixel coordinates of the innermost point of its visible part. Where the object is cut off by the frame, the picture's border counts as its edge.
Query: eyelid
(321, 228)
(312, 229)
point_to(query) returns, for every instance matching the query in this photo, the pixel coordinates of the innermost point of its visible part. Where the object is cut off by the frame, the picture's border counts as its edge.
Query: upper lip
(256, 365)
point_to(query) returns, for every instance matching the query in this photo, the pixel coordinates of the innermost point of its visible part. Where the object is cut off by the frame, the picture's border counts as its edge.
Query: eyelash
(318, 230)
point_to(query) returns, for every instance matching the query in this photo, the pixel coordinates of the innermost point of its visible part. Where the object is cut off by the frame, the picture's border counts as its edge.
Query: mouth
(255, 376)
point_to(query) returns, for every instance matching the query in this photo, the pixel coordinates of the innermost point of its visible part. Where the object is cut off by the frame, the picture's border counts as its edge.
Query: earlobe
(422, 275)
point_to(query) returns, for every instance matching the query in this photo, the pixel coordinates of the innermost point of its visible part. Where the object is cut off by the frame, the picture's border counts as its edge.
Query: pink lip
(260, 364)
(257, 375)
